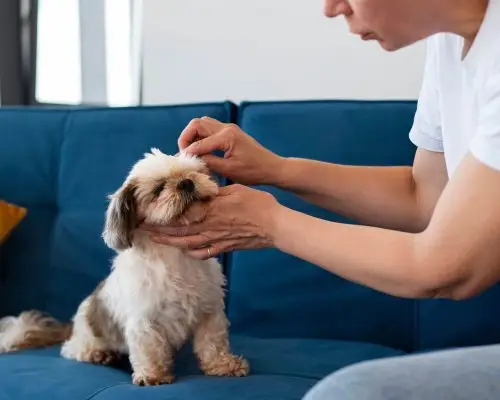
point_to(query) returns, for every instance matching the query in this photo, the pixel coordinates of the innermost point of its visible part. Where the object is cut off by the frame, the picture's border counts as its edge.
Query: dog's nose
(186, 185)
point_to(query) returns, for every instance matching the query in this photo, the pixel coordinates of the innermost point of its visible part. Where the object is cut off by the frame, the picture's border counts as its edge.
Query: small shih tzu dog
(156, 297)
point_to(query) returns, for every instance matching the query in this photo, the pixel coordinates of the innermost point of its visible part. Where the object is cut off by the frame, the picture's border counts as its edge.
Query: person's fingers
(197, 129)
(185, 242)
(216, 248)
(213, 123)
(161, 239)
(216, 164)
(208, 252)
(178, 231)
(220, 141)
(195, 214)
(231, 189)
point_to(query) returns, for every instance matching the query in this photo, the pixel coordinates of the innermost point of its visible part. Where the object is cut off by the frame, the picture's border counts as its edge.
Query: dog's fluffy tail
(31, 329)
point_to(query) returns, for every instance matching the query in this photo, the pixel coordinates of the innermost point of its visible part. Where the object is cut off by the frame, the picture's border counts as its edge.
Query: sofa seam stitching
(87, 109)
(101, 390)
(67, 117)
(56, 208)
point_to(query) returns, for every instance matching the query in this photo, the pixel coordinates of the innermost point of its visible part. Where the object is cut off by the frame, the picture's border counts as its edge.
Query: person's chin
(388, 46)
(392, 46)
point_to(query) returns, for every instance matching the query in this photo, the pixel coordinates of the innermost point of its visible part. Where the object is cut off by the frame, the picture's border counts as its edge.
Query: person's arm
(401, 198)
(456, 256)
(392, 197)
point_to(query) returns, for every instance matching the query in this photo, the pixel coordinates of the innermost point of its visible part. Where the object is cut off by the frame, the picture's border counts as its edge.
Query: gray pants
(459, 374)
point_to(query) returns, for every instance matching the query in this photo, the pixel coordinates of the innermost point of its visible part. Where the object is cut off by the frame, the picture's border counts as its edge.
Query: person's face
(393, 23)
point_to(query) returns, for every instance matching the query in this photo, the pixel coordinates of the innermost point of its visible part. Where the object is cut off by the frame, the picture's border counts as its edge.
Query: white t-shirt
(459, 104)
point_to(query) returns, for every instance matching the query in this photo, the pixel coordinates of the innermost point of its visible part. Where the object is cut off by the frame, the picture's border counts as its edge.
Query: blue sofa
(295, 322)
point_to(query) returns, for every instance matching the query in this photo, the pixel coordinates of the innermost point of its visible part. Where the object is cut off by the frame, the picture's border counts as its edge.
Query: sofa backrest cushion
(61, 164)
(274, 294)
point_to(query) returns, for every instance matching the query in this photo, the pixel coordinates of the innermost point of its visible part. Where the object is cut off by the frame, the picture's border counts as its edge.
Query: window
(58, 58)
(88, 52)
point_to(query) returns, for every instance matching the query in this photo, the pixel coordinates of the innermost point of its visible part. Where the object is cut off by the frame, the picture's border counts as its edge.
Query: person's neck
(464, 17)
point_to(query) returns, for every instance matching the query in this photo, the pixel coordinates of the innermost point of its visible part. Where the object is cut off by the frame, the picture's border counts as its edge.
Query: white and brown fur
(156, 298)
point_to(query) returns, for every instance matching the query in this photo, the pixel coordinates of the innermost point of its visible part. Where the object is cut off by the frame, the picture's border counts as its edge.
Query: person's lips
(368, 36)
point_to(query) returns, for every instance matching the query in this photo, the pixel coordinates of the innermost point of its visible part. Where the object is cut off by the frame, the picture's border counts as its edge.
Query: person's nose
(334, 8)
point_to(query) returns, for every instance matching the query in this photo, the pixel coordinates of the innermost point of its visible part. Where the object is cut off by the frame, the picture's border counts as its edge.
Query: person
(440, 217)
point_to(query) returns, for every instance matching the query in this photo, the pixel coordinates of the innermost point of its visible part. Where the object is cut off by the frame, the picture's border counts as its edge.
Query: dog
(156, 297)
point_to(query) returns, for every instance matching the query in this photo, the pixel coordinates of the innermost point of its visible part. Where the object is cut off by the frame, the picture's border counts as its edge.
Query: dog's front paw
(152, 380)
(104, 357)
(227, 365)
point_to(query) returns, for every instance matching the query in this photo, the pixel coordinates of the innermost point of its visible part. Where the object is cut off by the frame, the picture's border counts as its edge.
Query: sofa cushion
(448, 323)
(44, 375)
(280, 369)
(61, 164)
(194, 388)
(276, 295)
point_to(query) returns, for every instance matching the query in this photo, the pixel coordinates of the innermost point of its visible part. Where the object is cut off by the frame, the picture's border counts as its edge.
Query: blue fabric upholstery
(298, 299)
(61, 165)
(445, 324)
(281, 369)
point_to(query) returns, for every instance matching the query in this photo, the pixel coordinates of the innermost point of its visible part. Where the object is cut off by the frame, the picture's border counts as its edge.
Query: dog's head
(158, 190)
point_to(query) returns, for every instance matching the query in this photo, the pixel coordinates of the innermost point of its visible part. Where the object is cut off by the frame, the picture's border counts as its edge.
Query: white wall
(209, 50)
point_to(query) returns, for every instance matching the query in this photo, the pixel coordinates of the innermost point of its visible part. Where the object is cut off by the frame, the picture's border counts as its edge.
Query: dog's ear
(121, 218)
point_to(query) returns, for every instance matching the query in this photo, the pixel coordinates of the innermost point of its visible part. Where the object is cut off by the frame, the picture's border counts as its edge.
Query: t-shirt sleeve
(426, 130)
(485, 145)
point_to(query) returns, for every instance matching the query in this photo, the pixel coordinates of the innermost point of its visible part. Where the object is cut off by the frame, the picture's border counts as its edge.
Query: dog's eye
(158, 189)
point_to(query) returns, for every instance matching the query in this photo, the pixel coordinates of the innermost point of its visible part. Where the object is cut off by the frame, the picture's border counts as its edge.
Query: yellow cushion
(10, 216)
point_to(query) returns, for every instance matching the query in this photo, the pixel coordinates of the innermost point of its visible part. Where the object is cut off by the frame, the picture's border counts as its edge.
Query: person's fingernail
(191, 148)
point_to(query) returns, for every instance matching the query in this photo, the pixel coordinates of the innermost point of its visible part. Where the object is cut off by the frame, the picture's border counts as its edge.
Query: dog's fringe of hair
(32, 329)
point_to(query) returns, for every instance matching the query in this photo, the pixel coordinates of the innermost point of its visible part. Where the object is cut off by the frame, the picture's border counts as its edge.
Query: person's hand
(238, 218)
(245, 161)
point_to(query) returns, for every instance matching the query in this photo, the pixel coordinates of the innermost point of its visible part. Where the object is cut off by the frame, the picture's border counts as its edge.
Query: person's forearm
(379, 196)
(385, 260)
(455, 257)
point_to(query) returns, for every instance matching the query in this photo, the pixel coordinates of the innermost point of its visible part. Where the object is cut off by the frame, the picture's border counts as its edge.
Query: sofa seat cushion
(281, 369)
